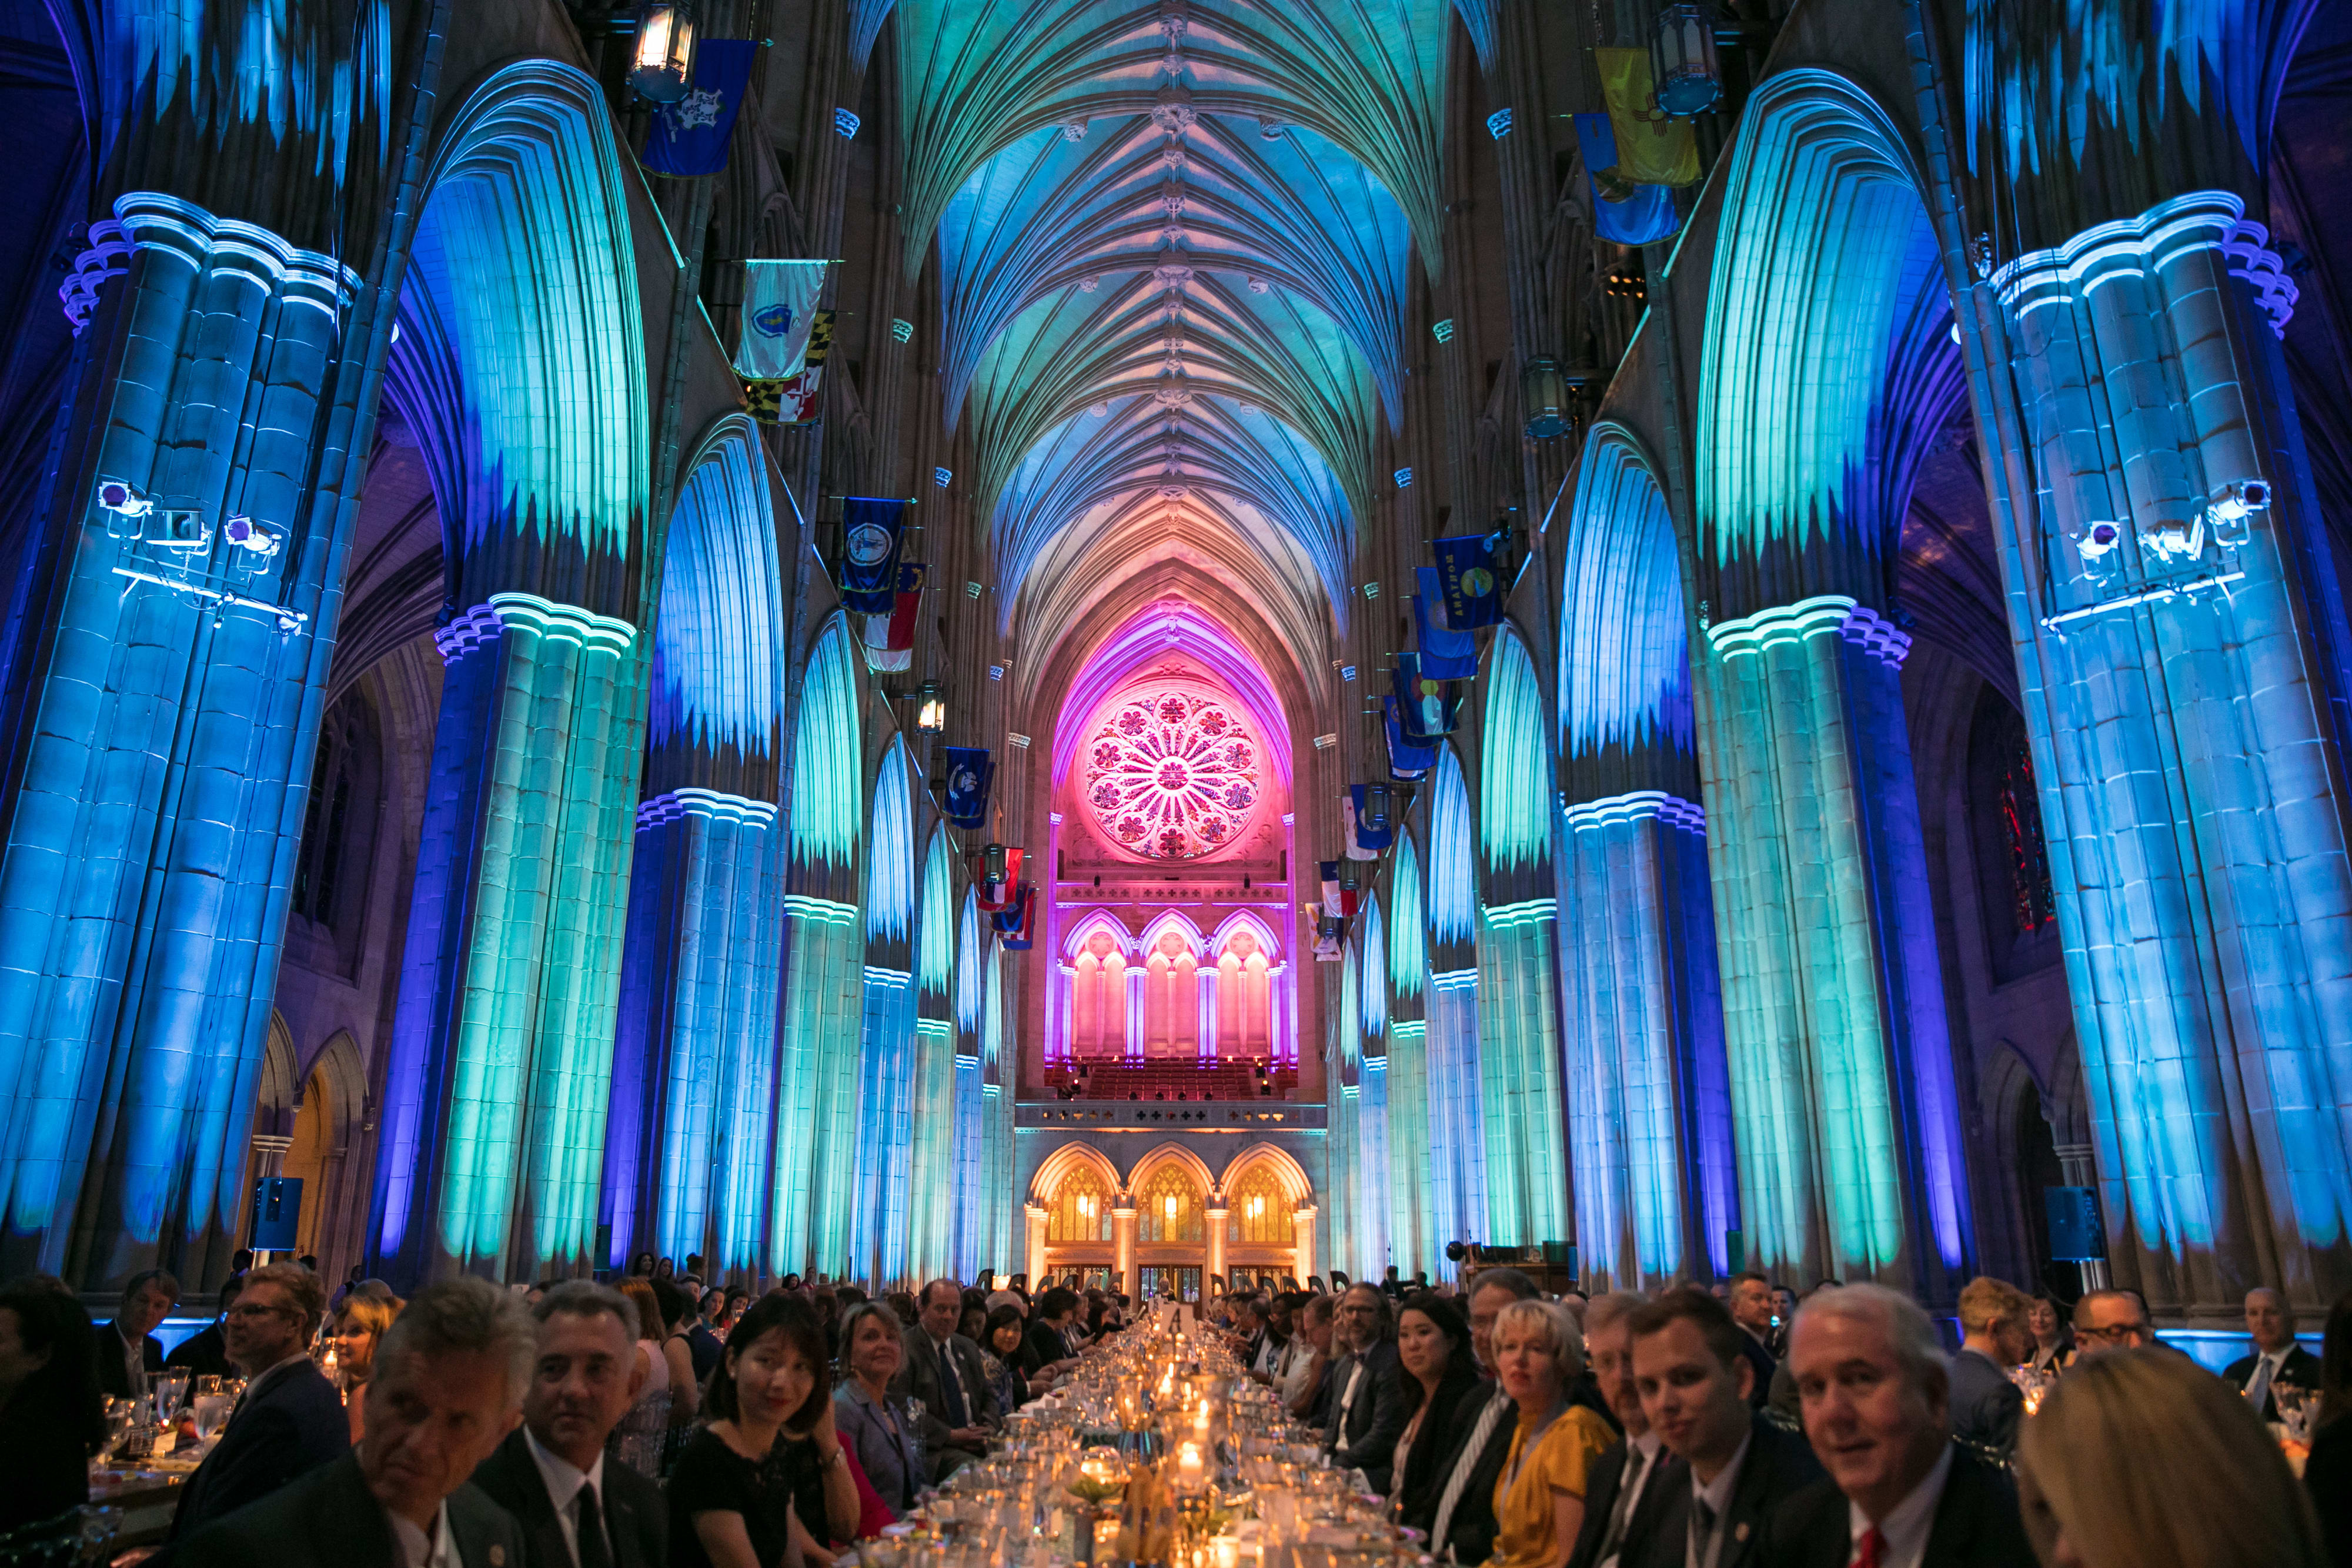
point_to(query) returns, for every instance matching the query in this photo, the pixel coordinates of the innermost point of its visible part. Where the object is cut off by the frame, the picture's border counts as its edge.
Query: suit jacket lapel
(1957, 1515)
(620, 1524)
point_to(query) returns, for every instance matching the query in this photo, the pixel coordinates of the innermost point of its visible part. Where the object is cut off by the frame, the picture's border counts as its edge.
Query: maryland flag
(792, 400)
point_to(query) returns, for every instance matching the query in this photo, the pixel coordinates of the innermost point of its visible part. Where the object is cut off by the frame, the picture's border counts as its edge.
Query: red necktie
(1873, 1554)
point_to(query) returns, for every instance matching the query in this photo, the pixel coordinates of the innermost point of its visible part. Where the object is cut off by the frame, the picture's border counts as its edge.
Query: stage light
(121, 499)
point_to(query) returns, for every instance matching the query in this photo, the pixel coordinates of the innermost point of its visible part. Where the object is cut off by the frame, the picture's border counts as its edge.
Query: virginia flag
(970, 773)
(690, 137)
(872, 528)
(1447, 654)
(1623, 213)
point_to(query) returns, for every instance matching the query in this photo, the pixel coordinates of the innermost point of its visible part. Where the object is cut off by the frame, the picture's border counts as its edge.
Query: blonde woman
(2141, 1459)
(359, 1323)
(1539, 1495)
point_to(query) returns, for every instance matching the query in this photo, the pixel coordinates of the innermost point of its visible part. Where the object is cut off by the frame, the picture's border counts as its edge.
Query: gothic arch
(1173, 920)
(1251, 921)
(1058, 1165)
(1104, 921)
(1177, 1154)
(1286, 1170)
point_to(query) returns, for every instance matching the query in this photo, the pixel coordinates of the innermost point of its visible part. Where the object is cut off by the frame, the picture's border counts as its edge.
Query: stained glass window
(1172, 775)
(2033, 904)
(1257, 1215)
(1081, 1210)
(1169, 1208)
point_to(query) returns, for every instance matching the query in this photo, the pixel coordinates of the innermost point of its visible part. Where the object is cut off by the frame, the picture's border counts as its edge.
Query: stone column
(817, 1084)
(1519, 1077)
(1034, 1265)
(500, 1061)
(2180, 624)
(1122, 1238)
(1840, 1065)
(1302, 1233)
(165, 684)
(1218, 1214)
(1656, 1188)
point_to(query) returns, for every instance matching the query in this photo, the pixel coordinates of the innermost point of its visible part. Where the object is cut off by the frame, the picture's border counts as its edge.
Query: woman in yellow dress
(1539, 1495)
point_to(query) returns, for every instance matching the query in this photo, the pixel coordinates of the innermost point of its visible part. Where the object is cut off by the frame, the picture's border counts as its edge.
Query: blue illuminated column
(1413, 1239)
(1656, 1192)
(1519, 1077)
(501, 1055)
(974, 1242)
(930, 1228)
(693, 1095)
(2185, 687)
(817, 1082)
(1840, 1070)
(165, 693)
(886, 1139)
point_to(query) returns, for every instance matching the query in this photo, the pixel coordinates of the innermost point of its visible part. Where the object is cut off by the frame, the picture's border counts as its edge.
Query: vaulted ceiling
(1173, 240)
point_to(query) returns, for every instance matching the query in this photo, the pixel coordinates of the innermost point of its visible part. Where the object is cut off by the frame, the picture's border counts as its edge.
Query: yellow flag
(1652, 149)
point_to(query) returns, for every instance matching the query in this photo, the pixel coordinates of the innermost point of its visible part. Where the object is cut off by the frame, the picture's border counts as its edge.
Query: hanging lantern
(1543, 393)
(665, 55)
(1348, 881)
(1376, 807)
(992, 859)
(1683, 66)
(931, 708)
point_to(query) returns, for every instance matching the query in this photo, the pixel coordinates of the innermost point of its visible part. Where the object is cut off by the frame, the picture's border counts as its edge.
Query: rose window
(1173, 775)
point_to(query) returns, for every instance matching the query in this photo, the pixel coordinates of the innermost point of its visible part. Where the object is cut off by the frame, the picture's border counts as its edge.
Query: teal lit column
(2178, 622)
(693, 1094)
(1840, 1072)
(1656, 1191)
(164, 691)
(817, 1081)
(1519, 1077)
(501, 1057)
(886, 1139)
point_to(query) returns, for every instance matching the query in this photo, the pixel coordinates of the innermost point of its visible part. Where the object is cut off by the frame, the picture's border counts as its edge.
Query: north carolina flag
(995, 897)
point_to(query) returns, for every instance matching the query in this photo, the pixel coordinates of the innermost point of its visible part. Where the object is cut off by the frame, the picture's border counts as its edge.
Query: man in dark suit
(1986, 1405)
(1697, 1390)
(1463, 1523)
(1871, 1376)
(205, 1353)
(127, 1352)
(449, 1375)
(290, 1421)
(576, 1510)
(1369, 1410)
(2277, 1359)
(1633, 1486)
(944, 1370)
(1751, 1309)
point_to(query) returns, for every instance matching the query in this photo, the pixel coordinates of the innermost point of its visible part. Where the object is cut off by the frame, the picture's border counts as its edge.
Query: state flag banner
(872, 528)
(689, 137)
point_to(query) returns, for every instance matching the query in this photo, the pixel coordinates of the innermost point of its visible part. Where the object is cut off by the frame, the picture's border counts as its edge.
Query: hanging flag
(1652, 148)
(1476, 572)
(1353, 847)
(1409, 759)
(1327, 941)
(795, 401)
(1022, 934)
(778, 316)
(890, 639)
(992, 897)
(970, 772)
(1373, 839)
(1446, 653)
(871, 528)
(1623, 213)
(1427, 707)
(690, 137)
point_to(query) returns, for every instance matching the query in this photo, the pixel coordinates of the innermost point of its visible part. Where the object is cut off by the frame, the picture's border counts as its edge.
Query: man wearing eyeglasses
(290, 1420)
(2113, 1319)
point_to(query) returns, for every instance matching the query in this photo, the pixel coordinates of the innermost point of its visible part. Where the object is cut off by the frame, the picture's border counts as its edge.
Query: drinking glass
(2293, 1405)
(211, 1411)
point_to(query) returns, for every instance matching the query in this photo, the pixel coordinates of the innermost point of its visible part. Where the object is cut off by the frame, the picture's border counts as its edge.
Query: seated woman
(359, 1323)
(880, 1428)
(767, 1479)
(1004, 1352)
(1539, 1495)
(1441, 1384)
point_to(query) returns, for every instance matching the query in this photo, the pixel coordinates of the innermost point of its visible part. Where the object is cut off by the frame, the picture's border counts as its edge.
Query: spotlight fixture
(664, 60)
(123, 500)
(2230, 519)
(248, 535)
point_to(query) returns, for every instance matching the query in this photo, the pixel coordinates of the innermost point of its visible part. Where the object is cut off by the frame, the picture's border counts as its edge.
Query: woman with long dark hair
(2327, 1474)
(1439, 1375)
(51, 1418)
(767, 1479)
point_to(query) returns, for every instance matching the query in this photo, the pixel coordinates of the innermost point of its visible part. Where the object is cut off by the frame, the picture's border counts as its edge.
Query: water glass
(211, 1411)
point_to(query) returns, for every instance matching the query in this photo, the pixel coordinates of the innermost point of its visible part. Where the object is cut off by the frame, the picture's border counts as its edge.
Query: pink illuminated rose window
(1172, 775)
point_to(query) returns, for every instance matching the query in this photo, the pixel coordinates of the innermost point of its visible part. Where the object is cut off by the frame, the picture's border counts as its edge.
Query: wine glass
(2293, 1407)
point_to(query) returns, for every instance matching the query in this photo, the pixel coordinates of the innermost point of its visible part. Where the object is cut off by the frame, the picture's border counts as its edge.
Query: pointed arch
(1056, 1166)
(1515, 762)
(1169, 1153)
(828, 765)
(1624, 642)
(718, 629)
(1180, 924)
(934, 954)
(1253, 922)
(1288, 1173)
(1084, 928)
(1373, 958)
(1452, 871)
(890, 862)
(968, 978)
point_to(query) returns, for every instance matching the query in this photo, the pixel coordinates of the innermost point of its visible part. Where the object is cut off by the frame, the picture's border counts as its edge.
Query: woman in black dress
(51, 1417)
(748, 1485)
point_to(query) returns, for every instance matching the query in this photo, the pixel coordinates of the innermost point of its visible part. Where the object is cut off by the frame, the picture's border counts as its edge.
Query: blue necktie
(951, 1388)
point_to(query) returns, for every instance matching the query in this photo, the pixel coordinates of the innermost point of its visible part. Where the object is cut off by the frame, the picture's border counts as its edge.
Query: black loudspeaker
(276, 1214)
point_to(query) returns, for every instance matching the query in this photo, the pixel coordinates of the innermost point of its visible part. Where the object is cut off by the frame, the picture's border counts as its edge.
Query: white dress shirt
(563, 1483)
(1716, 1495)
(1907, 1526)
(418, 1550)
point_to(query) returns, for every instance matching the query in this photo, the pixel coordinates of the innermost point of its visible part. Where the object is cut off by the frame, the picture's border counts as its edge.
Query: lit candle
(1228, 1551)
(1190, 1473)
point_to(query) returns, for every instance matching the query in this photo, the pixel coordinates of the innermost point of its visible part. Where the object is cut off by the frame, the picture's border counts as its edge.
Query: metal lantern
(993, 862)
(1543, 390)
(664, 60)
(1376, 807)
(1348, 881)
(931, 708)
(1683, 66)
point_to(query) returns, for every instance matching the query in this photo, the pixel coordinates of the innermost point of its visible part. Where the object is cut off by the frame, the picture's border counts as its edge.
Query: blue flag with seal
(1623, 213)
(1362, 836)
(1474, 572)
(1446, 653)
(1408, 760)
(970, 772)
(871, 530)
(1425, 705)
(690, 137)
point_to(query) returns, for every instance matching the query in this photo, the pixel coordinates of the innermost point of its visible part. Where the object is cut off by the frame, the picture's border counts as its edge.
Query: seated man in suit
(1369, 1411)
(449, 1377)
(1698, 1387)
(128, 1352)
(205, 1353)
(576, 1510)
(1871, 1380)
(1465, 1525)
(1986, 1405)
(2277, 1360)
(944, 1370)
(1633, 1486)
(1751, 1309)
(290, 1421)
